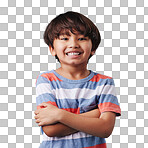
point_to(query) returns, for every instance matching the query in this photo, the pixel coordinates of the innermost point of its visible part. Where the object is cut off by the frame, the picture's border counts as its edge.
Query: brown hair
(72, 21)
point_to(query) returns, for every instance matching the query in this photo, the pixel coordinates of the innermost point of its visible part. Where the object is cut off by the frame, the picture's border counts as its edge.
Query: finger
(36, 113)
(44, 104)
(40, 124)
(37, 121)
(36, 117)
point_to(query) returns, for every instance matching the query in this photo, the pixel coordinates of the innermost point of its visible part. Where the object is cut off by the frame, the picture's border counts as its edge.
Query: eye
(65, 39)
(81, 39)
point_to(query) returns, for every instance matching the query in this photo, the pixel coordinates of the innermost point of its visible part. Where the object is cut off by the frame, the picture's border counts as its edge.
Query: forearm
(100, 127)
(60, 130)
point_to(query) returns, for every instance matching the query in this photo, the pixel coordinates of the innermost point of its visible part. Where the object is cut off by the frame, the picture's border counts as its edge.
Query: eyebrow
(68, 34)
(64, 32)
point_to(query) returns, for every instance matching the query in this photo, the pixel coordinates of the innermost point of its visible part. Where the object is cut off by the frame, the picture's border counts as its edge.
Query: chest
(83, 97)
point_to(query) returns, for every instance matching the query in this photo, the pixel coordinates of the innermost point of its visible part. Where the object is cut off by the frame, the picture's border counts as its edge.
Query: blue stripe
(68, 103)
(41, 80)
(106, 82)
(66, 85)
(61, 84)
(73, 143)
(108, 98)
(45, 98)
(75, 103)
(86, 105)
(90, 76)
(82, 103)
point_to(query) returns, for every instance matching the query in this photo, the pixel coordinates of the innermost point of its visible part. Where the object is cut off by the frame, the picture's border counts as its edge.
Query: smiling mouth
(73, 53)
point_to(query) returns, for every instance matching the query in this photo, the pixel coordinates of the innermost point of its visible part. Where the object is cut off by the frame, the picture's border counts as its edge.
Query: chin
(77, 64)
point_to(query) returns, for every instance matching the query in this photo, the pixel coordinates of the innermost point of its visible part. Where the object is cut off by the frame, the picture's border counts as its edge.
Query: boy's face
(72, 49)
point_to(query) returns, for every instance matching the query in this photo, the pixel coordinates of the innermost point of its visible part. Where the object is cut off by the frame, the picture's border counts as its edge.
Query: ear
(93, 52)
(52, 51)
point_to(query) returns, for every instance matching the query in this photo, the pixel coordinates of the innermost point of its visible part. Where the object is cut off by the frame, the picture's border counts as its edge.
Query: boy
(76, 107)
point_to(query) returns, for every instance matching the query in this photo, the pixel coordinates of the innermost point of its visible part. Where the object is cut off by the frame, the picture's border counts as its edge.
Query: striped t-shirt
(76, 96)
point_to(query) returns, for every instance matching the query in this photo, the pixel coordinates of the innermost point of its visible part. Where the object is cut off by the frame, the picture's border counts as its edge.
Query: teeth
(73, 53)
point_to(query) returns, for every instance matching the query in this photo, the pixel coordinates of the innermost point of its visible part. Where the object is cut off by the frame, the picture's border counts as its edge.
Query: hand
(46, 115)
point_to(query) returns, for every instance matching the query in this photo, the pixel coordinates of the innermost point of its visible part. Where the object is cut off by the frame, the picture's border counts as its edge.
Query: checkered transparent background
(123, 54)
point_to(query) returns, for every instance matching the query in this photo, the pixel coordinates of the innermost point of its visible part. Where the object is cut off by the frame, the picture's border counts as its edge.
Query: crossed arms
(58, 122)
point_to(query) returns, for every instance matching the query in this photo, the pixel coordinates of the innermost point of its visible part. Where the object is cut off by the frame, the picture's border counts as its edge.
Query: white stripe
(42, 89)
(75, 93)
(109, 89)
(72, 136)
(78, 93)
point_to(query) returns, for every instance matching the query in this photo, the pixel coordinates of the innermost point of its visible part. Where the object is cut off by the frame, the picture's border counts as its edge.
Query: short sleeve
(44, 91)
(108, 100)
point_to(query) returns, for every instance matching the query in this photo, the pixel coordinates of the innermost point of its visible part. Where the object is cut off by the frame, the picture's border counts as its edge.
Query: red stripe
(98, 146)
(50, 77)
(108, 106)
(36, 79)
(53, 103)
(97, 77)
(72, 110)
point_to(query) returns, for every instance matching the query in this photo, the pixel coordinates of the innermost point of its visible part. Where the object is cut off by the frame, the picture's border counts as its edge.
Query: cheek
(89, 45)
(60, 47)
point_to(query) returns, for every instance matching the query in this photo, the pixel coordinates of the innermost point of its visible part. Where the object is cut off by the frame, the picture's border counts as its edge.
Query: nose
(73, 43)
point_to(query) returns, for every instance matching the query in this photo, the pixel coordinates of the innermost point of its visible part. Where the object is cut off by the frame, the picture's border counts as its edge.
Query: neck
(74, 73)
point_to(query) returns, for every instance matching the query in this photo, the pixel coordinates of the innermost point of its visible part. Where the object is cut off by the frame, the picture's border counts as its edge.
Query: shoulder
(44, 77)
(100, 77)
(47, 77)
